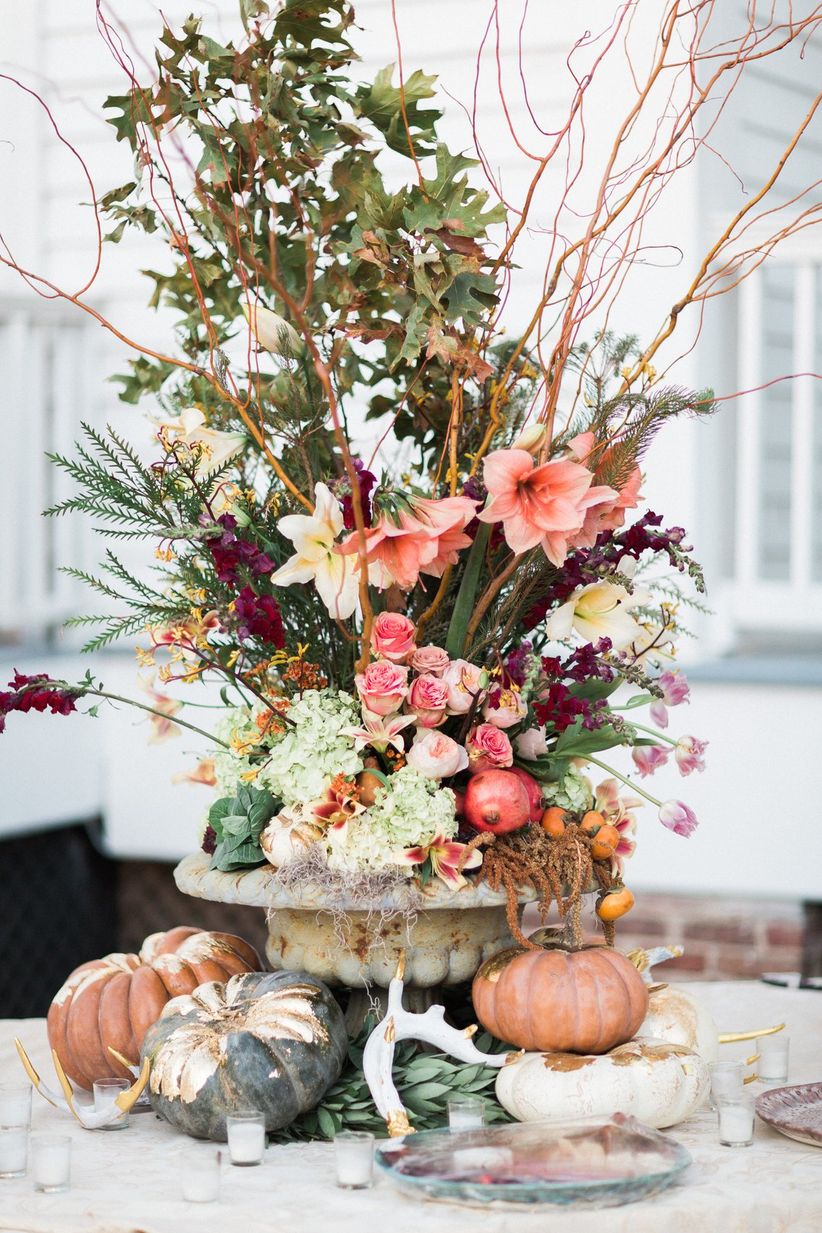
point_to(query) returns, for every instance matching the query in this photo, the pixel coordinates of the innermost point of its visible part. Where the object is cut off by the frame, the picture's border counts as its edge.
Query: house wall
(764, 773)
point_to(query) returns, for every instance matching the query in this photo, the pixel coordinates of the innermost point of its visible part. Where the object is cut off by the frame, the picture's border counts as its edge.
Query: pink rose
(434, 754)
(531, 743)
(432, 660)
(427, 698)
(488, 749)
(463, 681)
(505, 708)
(382, 687)
(392, 637)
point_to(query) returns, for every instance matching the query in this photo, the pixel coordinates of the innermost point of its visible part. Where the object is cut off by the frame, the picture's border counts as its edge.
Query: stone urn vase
(444, 934)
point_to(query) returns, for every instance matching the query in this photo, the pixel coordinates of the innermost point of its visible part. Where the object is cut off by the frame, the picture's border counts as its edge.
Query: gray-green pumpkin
(273, 1041)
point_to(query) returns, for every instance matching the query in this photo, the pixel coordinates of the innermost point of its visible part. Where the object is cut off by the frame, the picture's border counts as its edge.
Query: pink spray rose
(463, 681)
(488, 749)
(432, 660)
(434, 754)
(392, 637)
(382, 687)
(690, 754)
(505, 708)
(678, 817)
(649, 758)
(428, 698)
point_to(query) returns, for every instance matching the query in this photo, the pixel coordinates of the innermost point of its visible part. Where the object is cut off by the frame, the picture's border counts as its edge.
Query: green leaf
(382, 104)
(467, 594)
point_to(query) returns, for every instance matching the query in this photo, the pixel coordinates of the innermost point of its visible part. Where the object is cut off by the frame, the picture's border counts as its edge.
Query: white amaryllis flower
(214, 448)
(315, 559)
(272, 332)
(599, 610)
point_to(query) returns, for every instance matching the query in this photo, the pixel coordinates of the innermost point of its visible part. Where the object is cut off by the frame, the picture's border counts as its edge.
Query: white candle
(354, 1156)
(106, 1092)
(13, 1151)
(773, 1059)
(15, 1104)
(466, 1113)
(246, 1138)
(200, 1177)
(736, 1123)
(51, 1162)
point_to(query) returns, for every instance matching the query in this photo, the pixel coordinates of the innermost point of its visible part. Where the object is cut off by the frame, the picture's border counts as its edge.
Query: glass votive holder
(14, 1144)
(727, 1081)
(106, 1092)
(15, 1104)
(200, 1175)
(354, 1156)
(51, 1162)
(246, 1136)
(736, 1120)
(772, 1066)
(466, 1113)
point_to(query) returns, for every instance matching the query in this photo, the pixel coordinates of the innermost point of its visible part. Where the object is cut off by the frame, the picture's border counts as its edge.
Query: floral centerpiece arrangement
(411, 547)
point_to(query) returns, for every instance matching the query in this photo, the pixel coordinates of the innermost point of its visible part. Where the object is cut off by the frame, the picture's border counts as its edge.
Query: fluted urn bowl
(444, 934)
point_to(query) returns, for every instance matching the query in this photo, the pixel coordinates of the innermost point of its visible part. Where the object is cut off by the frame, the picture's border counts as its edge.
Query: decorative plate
(794, 1111)
(596, 1162)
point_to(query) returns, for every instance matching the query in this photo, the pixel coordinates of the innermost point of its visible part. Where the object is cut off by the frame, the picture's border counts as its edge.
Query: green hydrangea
(311, 751)
(573, 792)
(412, 809)
(237, 728)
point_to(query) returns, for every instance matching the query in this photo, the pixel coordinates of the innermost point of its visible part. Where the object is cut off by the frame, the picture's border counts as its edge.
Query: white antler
(91, 1119)
(402, 1024)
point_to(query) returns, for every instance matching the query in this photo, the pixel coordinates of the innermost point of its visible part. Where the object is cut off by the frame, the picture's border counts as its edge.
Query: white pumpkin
(676, 1015)
(657, 1082)
(287, 836)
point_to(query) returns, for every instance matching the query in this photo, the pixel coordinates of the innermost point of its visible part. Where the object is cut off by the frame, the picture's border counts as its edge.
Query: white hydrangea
(573, 792)
(311, 751)
(411, 810)
(237, 728)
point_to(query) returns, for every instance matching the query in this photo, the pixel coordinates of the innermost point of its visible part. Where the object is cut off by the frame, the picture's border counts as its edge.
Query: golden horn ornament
(729, 1038)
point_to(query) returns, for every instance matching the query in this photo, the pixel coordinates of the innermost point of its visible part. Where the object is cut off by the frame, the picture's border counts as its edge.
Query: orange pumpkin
(113, 1001)
(558, 1000)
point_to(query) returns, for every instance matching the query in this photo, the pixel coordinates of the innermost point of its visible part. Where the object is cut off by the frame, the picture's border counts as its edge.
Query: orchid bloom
(445, 855)
(213, 448)
(272, 332)
(538, 504)
(618, 811)
(317, 559)
(379, 731)
(598, 610)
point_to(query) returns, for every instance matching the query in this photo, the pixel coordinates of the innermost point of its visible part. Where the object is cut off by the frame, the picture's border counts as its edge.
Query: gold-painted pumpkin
(571, 1001)
(111, 1002)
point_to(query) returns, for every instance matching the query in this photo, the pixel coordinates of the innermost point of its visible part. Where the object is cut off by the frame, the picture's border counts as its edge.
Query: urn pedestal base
(444, 934)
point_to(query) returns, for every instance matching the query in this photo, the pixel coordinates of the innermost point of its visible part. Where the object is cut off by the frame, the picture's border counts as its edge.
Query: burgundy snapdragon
(366, 482)
(259, 617)
(35, 693)
(230, 553)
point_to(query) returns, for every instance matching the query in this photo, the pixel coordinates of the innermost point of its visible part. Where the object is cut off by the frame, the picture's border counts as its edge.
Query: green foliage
(238, 821)
(424, 1080)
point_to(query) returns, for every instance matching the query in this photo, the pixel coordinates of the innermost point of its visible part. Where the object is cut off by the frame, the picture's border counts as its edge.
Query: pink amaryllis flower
(690, 754)
(445, 856)
(678, 817)
(538, 504)
(618, 811)
(649, 758)
(607, 513)
(424, 538)
(380, 731)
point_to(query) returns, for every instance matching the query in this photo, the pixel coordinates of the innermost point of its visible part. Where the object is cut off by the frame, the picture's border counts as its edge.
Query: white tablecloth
(128, 1181)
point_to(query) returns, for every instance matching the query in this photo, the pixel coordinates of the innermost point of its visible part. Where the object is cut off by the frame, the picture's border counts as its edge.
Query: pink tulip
(436, 755)
(392, 637)
(488, 749)
(678, 817)
(382, 687)
(649, 758)
(428, 698)
(689, 754)
(659, 714)
(675, 687)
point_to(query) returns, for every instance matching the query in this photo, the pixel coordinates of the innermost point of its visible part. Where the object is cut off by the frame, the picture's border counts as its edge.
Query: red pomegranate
(496, 801)
(534, 790)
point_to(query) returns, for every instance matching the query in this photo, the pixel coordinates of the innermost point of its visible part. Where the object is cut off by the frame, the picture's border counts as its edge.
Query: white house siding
(764, 762)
